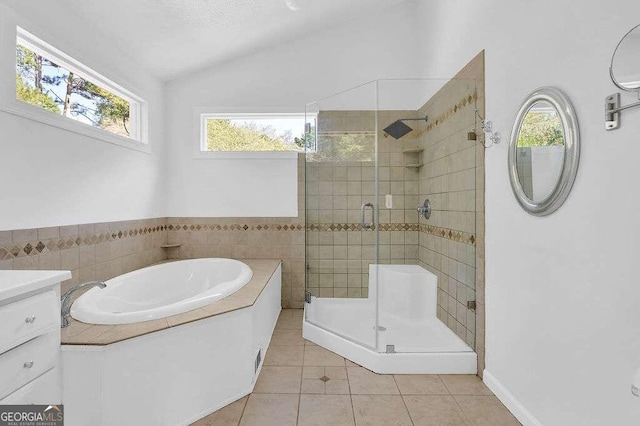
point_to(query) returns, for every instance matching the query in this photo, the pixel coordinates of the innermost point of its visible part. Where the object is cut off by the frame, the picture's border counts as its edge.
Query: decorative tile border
(36, 247)
(450, 234)
(358, 227)
(467, 100)
(236, 227)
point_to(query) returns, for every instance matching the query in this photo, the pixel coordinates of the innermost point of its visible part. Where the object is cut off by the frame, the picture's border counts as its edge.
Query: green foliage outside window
(43, 83)
(246, 135)
(540, 129)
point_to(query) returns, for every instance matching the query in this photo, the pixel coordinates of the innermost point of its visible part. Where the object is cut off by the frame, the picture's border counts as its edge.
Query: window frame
(202, 114)
(138, 121)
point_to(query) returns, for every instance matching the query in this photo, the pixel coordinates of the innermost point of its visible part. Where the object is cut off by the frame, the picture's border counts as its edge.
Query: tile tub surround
(96, 251)
(102, 251)
(304, 384)
(246, 238)
(453, 179)
(79, 333)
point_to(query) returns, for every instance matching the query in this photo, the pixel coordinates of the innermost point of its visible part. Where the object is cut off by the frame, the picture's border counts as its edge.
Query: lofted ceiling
(174, 37)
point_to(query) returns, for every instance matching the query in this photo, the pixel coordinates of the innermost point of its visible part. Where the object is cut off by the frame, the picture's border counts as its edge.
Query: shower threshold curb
(395, 363)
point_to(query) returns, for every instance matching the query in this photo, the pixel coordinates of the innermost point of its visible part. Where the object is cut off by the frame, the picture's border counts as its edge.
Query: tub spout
(67, 297)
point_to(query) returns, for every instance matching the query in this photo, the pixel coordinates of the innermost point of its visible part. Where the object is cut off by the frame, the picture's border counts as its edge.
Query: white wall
(54, 177)
(562, 292)
(288, 77)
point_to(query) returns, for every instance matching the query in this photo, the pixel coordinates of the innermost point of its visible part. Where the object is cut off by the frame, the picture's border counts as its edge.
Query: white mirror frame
(569, 121)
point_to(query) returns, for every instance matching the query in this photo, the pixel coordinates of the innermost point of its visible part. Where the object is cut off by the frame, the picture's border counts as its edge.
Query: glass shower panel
(341, 213)
(427, 266)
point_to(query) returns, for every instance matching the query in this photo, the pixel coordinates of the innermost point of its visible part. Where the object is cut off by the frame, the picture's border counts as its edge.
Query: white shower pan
(411, 339)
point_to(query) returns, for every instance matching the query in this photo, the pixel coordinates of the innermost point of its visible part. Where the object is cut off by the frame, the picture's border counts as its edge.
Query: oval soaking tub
(161, 290)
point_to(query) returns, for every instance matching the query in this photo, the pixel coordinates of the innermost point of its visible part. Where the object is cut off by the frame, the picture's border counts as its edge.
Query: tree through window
(43, 82)
(254, 133)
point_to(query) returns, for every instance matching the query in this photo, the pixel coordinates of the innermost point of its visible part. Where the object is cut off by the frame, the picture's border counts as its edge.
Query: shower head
(398, 128)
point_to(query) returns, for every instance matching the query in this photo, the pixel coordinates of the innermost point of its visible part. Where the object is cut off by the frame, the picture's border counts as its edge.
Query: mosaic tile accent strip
(36, 247)
(462, 103)
(236, 227)
(358, 227)
(450, 234)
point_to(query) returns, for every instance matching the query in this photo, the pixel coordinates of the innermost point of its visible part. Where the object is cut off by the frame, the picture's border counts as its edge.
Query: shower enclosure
(390, 285)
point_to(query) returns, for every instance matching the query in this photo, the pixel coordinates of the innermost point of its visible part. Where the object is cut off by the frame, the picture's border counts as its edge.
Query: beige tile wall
(245, 238)
(96, 251)
(452, 240)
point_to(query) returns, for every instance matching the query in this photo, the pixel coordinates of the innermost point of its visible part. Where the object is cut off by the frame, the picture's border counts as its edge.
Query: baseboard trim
(509, 400)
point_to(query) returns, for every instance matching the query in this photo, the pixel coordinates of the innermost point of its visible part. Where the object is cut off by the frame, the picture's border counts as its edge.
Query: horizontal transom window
(252, 132)
(53, 81)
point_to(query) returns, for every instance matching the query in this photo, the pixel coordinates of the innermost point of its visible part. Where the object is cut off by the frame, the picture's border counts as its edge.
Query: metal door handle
(366, 225)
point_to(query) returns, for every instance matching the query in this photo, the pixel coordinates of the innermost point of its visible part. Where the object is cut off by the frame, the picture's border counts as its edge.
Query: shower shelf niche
(413, 155)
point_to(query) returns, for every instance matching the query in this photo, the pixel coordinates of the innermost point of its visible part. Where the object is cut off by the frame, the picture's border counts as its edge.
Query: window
(54, 82)
(252, 132)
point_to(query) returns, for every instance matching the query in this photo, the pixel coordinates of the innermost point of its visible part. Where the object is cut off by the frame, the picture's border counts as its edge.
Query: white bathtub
(162, 290)
(174, 376)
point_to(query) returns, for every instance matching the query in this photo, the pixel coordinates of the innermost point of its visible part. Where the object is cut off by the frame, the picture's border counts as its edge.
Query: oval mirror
(544, 151)
(625, 62)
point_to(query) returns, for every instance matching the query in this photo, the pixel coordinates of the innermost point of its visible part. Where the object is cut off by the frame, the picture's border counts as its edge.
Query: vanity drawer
(27, 318)
(21, 365)
(43, 390)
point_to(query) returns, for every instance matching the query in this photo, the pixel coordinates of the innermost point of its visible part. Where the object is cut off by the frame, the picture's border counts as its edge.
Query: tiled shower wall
(451, 175)
(339, 250)
(97, 251)
(452, 240)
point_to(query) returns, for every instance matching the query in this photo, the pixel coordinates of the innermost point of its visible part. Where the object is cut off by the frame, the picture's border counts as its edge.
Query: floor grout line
(402, 398)
(466, 418)
(243, 408)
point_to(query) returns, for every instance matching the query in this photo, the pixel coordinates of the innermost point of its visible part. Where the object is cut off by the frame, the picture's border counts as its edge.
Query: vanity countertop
(15, 283)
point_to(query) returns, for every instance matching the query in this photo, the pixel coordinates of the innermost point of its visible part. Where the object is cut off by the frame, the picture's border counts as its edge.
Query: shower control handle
(425, 209)
(366, 225)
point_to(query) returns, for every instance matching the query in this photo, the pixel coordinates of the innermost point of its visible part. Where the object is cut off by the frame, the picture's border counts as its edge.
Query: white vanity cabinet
(30, 337)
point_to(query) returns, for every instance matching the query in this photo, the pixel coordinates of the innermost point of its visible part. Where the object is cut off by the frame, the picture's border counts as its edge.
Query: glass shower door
(341, 193)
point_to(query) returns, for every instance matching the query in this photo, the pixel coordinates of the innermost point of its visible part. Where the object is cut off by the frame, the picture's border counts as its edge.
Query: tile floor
(304, 384)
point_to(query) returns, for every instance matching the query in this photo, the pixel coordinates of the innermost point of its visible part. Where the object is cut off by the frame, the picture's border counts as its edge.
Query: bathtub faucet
(66, 299)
